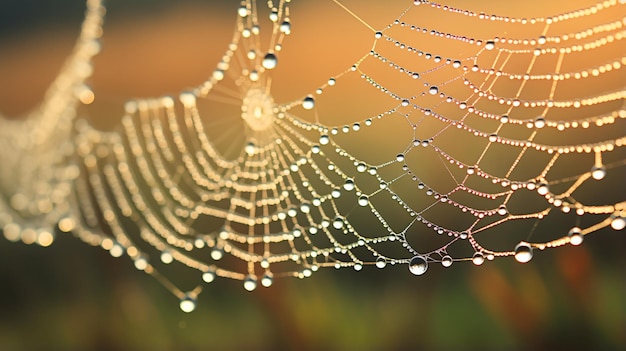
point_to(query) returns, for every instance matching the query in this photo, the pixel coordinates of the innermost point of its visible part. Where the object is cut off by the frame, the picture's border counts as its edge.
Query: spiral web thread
(469, 139)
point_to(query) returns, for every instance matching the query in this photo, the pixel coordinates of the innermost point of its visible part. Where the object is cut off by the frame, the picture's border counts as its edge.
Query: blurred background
(76, 297)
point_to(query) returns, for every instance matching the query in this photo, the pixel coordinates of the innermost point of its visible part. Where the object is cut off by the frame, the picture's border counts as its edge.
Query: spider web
(447, 140)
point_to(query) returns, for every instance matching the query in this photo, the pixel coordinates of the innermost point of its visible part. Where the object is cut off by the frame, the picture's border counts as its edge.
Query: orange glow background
(72, 296)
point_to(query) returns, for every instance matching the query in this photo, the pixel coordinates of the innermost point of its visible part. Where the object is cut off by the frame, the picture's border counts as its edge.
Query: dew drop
(490, 45)
(540, 122)
(338, 223)
(267, 280)
(575, 236)
(349, 185)
(598, 172)
(361, 167)
(273, 16)
(336, 193)
(418, 265)
(249, 283)
(141, 263)
(270, 61)
(250, 148)
(618, 223)
(523, 252)
(405, 102)
(308, 103)
(292, 212)
(285, 27)
(378, 35)
(208, 276)
(218, 74)
(116, 250)
(446, 261)
(166, 257)
(187, 304)
(381, 262)
(478, 259)
(305, 208)
(363, 200)
(217, 254)
(12, 232)
(502, 210)
(324, 139)
(543, 189)
(433, 90)
(541, 40)
(66, 224)
(400, 157)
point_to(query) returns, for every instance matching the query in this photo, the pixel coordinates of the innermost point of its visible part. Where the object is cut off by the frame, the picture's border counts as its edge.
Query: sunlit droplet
(250, 148)
(381, 262)
(349, 185)
(45, 238)
(141, 263)
(187, 304)
(338, 222)
(598, 172)
(242, 11)
(267, 280)
(66, 224)
(166, 257)
(270, 61)
(208, 276)
(618, 223)
(308, 103)
(540, 122)
(285, 27)
(217, 254)
(543, 189)
(418, 265)
(324, 139)
(502, 210)
(541, 40)
(446, 261)
(363, 200)
(478, 259)
(575, 236)
(249, 283)
(523, 252)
